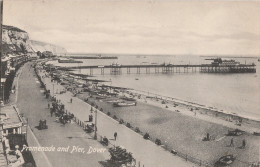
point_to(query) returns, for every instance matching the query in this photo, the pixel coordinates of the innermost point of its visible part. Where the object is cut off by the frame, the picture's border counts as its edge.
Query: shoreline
(174, 130)
(161, 122)
(195, 105)
(210, 112)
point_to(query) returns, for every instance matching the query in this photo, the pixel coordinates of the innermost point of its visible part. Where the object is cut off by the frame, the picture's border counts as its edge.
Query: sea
(238, 93)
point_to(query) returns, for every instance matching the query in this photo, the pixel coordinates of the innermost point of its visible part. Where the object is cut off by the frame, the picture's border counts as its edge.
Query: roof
(9, 117)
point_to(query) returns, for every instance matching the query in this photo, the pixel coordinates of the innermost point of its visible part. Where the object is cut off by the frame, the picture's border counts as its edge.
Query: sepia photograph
(130, 83)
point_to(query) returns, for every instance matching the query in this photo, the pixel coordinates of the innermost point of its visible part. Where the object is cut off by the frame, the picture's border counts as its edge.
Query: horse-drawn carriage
(42, 125)
(90, 128)
(104, 141)
(120, 156)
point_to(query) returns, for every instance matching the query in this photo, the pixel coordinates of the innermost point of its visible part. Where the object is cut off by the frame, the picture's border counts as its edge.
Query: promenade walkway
(33, 105)
(144, 151)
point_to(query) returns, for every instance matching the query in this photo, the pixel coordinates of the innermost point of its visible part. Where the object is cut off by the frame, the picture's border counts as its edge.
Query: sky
(141, 27)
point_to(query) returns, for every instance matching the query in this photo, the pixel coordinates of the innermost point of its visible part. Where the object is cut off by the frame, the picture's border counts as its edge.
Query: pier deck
(116, 69)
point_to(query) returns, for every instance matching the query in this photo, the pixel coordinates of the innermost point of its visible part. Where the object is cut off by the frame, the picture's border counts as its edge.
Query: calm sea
(234, 93)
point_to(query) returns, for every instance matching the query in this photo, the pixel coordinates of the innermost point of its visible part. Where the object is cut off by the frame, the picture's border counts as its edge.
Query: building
(12, 122)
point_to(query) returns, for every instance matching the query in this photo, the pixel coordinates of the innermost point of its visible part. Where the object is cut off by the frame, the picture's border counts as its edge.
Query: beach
(182, 125)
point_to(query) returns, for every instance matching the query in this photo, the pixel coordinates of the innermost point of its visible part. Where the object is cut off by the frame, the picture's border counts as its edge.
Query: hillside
(42, 46)
(16, 40)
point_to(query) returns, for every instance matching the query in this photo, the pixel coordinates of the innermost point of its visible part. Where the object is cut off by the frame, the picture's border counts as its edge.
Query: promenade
(33, 105)
(144, 151)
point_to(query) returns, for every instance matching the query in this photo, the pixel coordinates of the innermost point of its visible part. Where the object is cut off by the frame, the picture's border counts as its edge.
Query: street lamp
(1, 128)
(95, 135)
(53, 89)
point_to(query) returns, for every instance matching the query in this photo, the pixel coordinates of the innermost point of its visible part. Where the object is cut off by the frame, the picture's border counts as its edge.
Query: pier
(116, 69)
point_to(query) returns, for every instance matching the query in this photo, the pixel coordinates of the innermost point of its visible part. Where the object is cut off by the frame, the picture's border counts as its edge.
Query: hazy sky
(165, 27)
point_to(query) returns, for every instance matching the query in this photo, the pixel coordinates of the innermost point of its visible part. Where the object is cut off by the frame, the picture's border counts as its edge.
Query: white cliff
(17, 40)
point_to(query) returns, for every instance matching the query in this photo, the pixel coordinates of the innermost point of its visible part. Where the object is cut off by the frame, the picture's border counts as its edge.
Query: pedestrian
(70, 100)
(231, 142)
(51, 110)
(115, 135)
(48, 105)
(244, 143)
(207, 136)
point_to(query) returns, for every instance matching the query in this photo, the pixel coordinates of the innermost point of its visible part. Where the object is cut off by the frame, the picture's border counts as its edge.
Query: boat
(99, 56)
(225, 160)
(69, 61)
(128, 98)
(124, 104)
(235, 132)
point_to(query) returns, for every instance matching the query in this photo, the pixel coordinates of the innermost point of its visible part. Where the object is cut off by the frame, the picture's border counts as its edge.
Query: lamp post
(53, 89)
(3, 93)
(2, 128)
(110, 85)
(95, 135)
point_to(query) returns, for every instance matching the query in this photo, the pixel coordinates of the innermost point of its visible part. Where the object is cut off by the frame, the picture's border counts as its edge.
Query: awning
(3, 80)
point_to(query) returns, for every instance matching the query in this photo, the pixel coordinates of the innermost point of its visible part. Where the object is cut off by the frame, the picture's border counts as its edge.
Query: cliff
(42, 46)
(17, 40)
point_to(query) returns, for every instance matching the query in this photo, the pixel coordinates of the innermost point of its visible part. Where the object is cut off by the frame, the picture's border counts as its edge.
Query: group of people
(59, 110)
(243, 143)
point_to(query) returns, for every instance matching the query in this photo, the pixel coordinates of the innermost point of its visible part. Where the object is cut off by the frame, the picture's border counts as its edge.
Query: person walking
(231, 142)
(48, 105)
(243, 144)
(115, 135)
(70, 100)
(51, 110)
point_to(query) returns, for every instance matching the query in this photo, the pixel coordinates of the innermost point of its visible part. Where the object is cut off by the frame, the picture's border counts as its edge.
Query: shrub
(108, 113)
(115, 117)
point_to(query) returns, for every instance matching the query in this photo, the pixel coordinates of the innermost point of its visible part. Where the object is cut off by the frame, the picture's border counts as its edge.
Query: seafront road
(144, 151)
(33, 105)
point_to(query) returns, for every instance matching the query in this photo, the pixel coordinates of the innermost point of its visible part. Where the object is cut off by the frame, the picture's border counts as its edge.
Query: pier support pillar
(147, 70)
(102, 71)
(138, 70)
(128, 70)
(91, 71)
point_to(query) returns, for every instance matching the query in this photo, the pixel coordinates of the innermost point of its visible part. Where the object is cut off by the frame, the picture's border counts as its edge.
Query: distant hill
(42, 46)
(16, 40)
